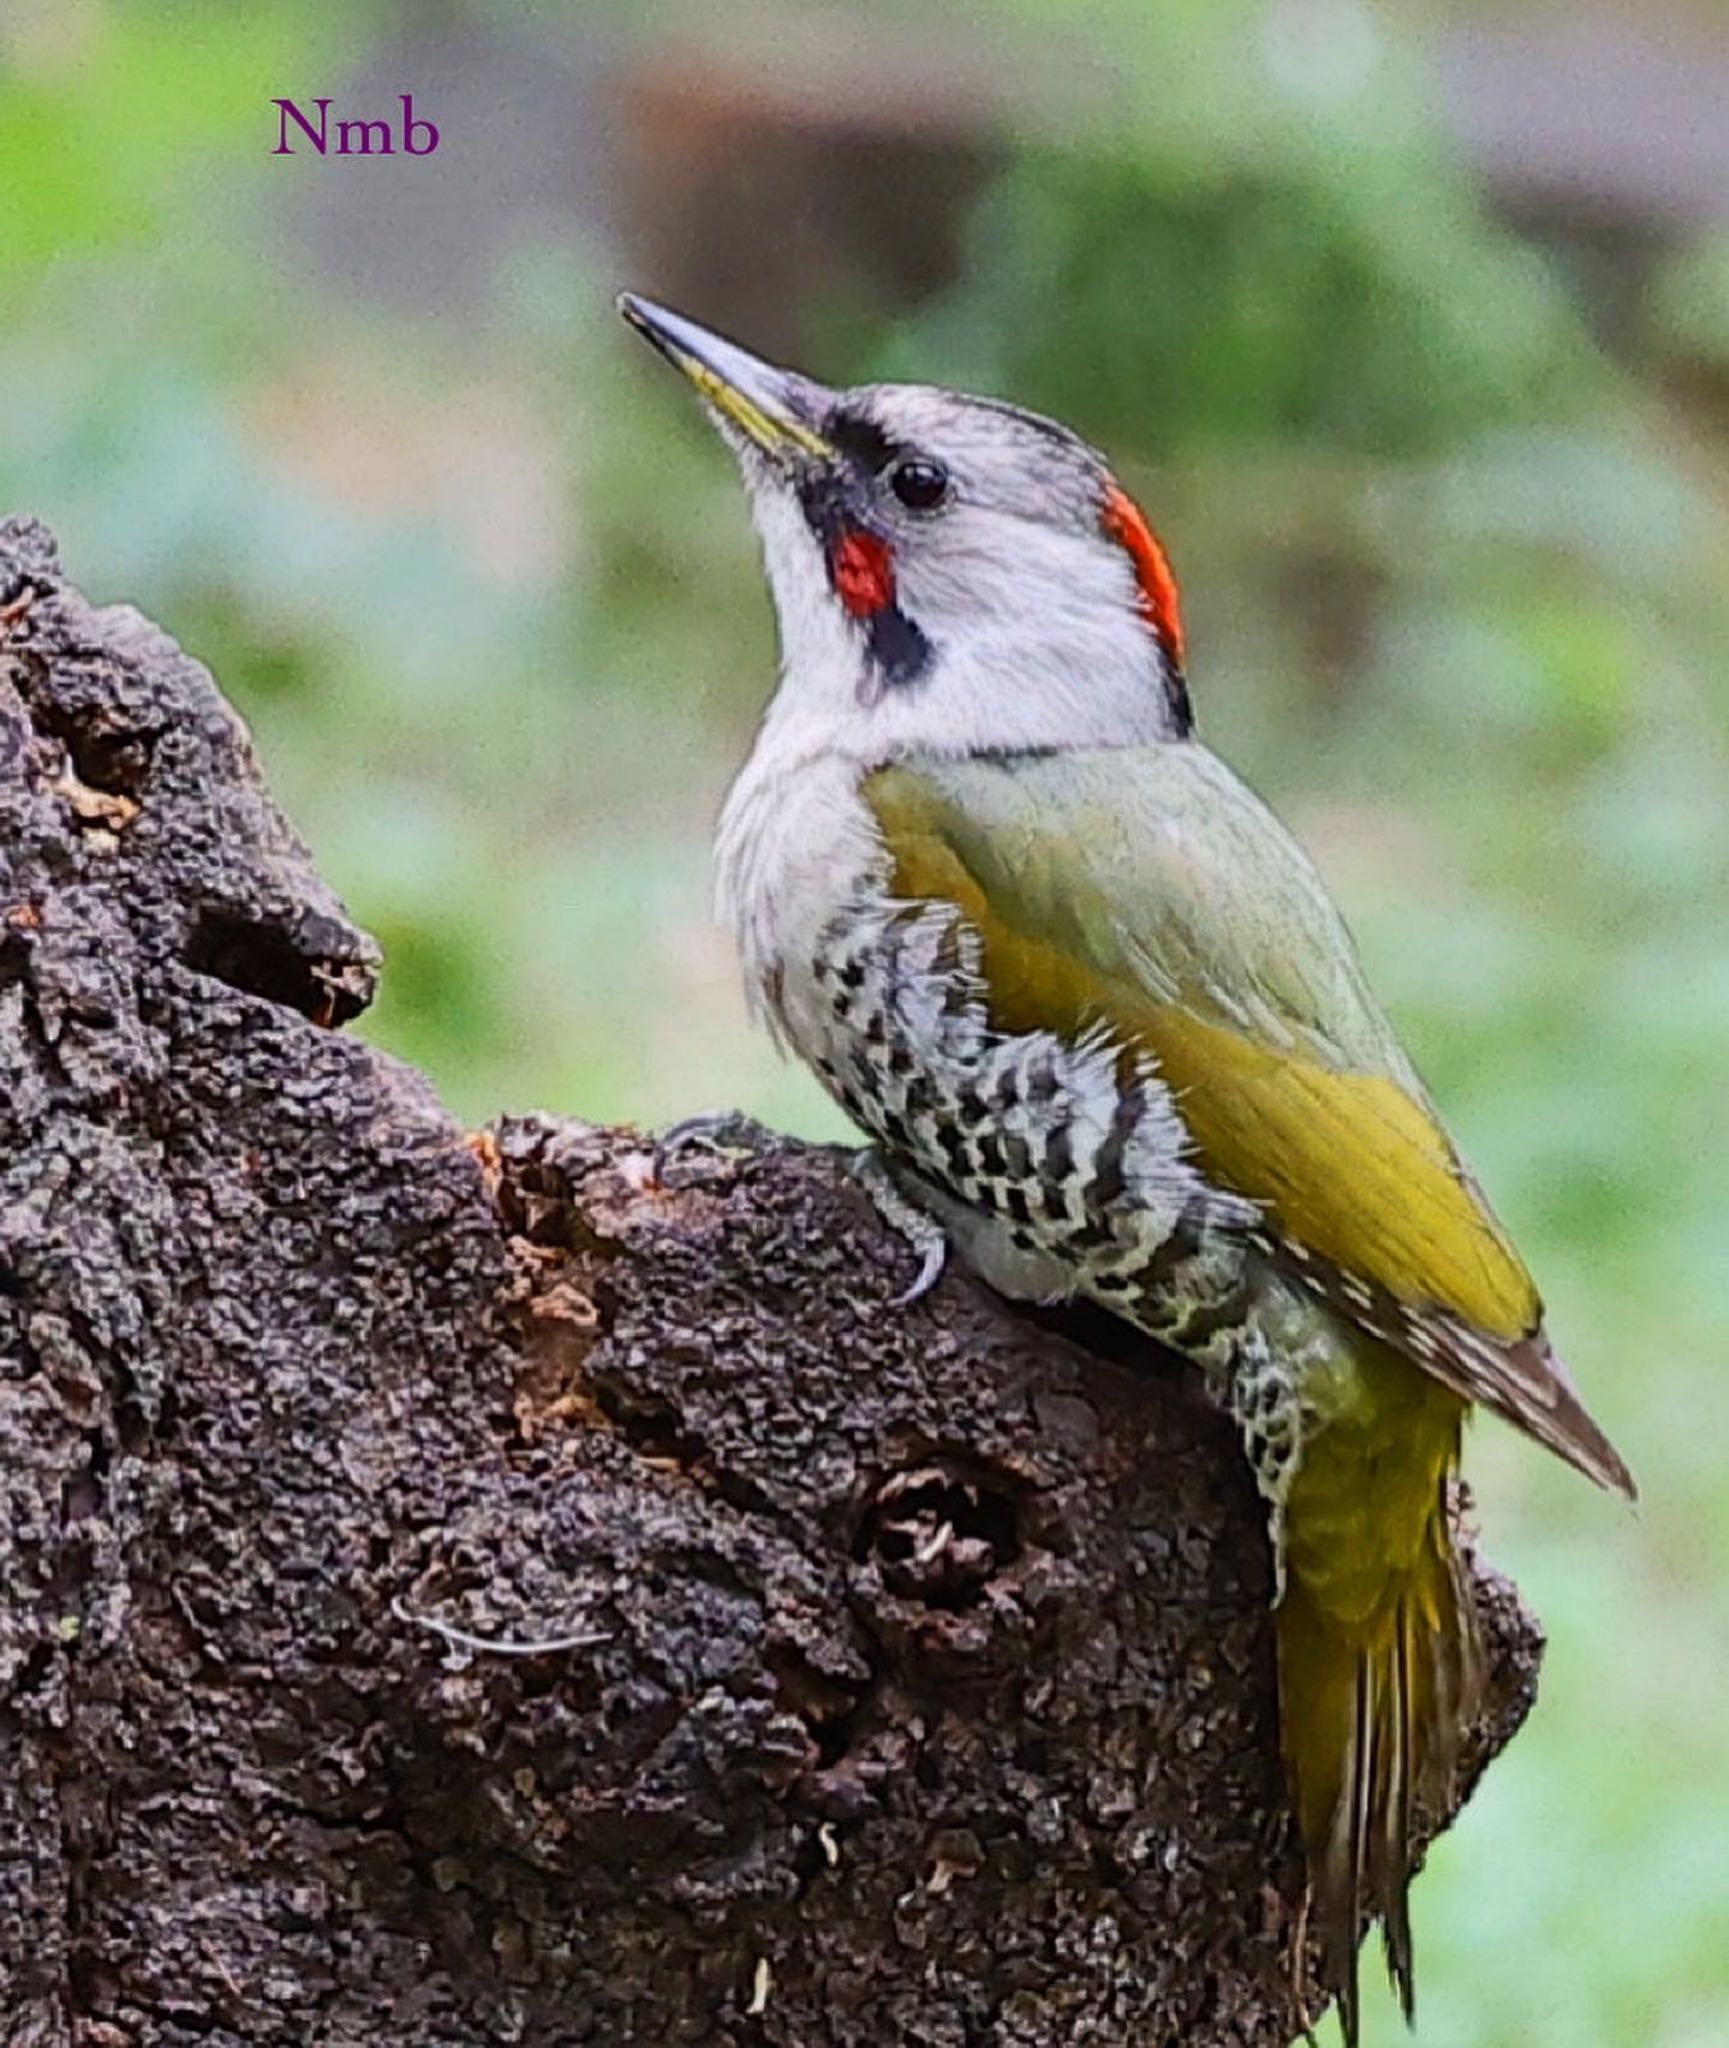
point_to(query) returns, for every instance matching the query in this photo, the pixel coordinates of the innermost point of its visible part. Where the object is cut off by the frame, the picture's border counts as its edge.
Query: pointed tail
(1374, 1702)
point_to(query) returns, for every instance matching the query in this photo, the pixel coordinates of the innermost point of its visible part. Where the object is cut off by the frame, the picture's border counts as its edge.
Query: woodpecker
(1109, 1037)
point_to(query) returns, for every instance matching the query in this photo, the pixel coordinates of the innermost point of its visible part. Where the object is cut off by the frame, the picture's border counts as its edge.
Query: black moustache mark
(899, 649)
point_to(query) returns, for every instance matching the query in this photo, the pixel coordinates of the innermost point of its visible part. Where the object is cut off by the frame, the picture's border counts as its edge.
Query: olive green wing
(1149, 891)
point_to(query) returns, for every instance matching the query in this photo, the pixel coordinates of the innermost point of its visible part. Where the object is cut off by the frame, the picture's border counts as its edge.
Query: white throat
(1052, 656)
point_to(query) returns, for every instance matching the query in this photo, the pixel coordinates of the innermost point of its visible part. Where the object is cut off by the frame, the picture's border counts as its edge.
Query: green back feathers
(1149, 889)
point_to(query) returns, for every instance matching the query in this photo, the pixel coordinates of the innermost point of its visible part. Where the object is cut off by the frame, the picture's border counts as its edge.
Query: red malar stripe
(863, 573)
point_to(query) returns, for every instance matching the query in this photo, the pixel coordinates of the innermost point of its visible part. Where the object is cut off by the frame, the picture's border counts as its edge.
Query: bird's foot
(923, 1233)
(724, 1134)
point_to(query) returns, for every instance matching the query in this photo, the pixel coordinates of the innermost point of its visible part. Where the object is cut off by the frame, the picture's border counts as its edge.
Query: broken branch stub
(468, 1591)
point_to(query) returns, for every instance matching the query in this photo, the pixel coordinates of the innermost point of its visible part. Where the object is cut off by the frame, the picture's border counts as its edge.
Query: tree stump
(471, 1589)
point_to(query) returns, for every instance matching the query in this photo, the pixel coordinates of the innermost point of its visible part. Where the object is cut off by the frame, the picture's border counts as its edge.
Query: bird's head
(951, 574)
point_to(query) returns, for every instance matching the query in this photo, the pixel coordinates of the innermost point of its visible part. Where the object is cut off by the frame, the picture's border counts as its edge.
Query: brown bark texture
(467, 1590)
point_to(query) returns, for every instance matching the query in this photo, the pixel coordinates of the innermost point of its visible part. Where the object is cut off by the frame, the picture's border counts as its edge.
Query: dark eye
(921, 486)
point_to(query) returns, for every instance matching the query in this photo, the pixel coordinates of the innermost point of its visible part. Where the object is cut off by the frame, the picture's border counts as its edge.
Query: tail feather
(1398, 1821)
(1373, 1711)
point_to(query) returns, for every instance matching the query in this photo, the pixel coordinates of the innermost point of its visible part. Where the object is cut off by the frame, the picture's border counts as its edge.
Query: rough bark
(904, 1676)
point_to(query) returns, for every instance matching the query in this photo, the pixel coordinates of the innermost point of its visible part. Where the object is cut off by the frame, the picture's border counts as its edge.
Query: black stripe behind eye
(861, 438)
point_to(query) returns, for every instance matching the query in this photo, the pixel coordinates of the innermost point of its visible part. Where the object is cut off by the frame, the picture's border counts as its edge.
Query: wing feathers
(1146, 892)
(1523, 1380)
(1528, 1385)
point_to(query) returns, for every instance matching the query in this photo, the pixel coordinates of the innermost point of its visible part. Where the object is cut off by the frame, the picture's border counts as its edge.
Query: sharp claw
(923, 1233)
(936, 1257)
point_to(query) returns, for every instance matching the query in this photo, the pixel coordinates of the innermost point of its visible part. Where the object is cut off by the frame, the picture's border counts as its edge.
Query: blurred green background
(1410, 328)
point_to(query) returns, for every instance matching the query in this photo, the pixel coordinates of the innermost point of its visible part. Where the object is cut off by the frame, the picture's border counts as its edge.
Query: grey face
(922, 492)
(914, 536)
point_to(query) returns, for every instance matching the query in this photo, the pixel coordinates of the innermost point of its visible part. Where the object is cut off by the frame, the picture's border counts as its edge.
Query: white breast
(795, 846)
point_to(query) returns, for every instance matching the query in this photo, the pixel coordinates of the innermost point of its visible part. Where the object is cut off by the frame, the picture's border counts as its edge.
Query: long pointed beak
(773, 409)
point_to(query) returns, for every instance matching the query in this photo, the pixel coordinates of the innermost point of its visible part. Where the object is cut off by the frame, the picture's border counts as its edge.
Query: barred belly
(1058, 1166)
